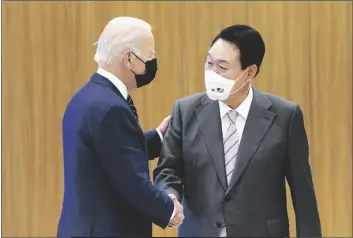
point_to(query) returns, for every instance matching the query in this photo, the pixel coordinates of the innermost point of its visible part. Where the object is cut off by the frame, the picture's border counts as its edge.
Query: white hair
(120, 34)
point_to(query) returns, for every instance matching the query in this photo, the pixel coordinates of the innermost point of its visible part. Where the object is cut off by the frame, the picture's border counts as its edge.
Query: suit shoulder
(94, 102)
(193, 99)
(280, 102)
(283, 108)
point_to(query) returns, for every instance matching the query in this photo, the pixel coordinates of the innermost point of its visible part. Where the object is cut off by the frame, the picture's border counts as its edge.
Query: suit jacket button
(219, 224)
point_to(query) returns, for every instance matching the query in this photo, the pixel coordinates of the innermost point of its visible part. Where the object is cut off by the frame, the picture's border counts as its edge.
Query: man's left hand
(164, 125)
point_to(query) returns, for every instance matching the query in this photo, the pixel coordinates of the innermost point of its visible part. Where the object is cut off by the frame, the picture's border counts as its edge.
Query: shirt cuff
(160, 134)
(173, 214)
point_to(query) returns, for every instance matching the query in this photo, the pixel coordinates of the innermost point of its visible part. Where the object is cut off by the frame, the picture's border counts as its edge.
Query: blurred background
(48, 54)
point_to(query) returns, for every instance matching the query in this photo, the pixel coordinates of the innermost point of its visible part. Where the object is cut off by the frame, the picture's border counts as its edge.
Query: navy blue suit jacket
(107, 189)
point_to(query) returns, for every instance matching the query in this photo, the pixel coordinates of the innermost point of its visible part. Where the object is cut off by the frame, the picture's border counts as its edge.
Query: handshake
(178, 217)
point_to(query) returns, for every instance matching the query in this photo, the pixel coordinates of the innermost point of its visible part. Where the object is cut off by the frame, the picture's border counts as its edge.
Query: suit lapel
(207, 114)
(257, 124)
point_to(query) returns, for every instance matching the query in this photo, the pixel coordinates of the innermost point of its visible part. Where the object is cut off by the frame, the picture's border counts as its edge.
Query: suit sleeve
(169, 174)
(300, 179)
(153, 144)
(122, 156)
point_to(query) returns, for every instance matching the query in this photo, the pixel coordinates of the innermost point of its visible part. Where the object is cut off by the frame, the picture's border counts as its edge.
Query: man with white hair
(107, 188)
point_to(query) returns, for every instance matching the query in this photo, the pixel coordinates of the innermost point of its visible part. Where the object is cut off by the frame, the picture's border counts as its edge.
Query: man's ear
(126, 58)
(252, 71)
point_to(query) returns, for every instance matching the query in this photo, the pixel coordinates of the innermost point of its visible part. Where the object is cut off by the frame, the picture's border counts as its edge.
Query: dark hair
(249, 42)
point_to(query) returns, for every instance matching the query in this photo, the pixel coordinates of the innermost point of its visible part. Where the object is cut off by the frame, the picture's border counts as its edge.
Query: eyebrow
(218, 60)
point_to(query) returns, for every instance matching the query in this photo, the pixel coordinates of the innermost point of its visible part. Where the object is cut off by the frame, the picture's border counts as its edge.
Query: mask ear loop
(137, 58)
(247, 81)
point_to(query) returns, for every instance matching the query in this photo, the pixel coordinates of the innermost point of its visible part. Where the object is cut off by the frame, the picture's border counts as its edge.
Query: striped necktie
(231, 146)
(132, 106)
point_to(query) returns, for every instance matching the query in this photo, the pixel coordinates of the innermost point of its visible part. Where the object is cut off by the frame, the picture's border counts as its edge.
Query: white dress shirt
(242, 110)
(120, 86)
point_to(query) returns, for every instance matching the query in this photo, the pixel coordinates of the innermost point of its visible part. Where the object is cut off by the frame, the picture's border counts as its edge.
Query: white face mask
(218, 87)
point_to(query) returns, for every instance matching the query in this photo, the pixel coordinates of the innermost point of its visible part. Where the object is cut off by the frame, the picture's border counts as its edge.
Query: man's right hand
(179, 212)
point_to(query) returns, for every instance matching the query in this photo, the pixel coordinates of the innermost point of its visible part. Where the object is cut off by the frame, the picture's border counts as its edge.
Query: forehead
(224, 50)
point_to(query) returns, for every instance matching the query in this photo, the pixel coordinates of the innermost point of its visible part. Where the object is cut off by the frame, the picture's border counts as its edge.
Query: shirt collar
(117, 82)
(243, 109)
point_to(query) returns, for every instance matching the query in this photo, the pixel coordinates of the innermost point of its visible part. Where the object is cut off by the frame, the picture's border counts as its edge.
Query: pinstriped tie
(132, 107)
(231, 145)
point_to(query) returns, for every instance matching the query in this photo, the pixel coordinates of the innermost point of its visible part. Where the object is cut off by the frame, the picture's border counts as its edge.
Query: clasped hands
(179, 213)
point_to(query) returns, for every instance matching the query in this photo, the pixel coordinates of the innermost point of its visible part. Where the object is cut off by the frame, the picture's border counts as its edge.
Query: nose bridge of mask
(219, 76)
(222, 80)
(214, 77)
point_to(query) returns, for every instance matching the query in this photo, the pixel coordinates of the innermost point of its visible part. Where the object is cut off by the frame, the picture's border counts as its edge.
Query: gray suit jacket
(273, 148)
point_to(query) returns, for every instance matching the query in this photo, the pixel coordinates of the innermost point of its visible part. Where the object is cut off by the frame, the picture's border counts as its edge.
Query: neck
(237, 98)
(122, 75)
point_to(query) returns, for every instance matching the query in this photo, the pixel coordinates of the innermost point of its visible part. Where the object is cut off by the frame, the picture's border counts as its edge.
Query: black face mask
(149, 75)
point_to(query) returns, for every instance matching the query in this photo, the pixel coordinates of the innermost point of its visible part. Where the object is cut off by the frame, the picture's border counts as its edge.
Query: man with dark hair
(227, 152)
